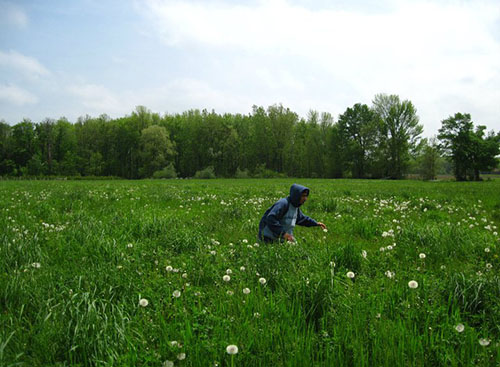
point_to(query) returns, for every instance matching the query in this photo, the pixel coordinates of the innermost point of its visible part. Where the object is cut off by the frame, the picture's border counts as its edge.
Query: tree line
(378, 141)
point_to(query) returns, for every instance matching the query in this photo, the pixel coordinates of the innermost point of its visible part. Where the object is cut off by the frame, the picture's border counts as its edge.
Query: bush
(241, 174)
(167, 172)
(205, 173)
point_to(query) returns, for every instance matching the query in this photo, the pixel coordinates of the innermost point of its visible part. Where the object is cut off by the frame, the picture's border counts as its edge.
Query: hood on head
(296, 192)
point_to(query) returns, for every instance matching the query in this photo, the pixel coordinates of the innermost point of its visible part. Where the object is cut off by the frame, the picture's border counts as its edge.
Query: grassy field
(169, 273)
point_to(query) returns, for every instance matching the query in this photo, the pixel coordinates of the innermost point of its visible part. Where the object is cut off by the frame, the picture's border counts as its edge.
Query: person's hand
(322, 225)
(288, 237)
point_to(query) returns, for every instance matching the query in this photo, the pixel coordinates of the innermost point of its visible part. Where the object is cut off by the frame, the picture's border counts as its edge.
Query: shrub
(167, 172)
(205, 173)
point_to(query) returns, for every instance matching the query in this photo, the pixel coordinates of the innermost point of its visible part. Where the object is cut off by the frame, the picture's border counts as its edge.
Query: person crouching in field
(280, 219)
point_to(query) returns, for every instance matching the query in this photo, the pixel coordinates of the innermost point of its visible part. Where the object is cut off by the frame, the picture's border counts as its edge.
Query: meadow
(169, 273)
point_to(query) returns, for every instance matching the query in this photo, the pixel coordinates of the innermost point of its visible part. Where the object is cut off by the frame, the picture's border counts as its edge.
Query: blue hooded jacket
(275, 213)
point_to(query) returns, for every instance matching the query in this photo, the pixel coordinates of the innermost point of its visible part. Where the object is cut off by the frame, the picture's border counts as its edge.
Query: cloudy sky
(73, 58)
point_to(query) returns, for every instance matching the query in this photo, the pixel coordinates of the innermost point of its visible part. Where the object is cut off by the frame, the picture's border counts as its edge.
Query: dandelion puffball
(176, 294)
(484, 342)
(143, 302)
(232, 349)
(350, 274)
(422, 255)
(226, 278)
(169, 268)
(413, 284)
(262, 280)
(246, 290)
(181, 356)
(460, 328)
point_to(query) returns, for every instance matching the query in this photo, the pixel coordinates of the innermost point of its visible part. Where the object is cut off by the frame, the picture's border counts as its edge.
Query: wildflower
(413, 284)
(421, 255)
(168, 363)
(212, 252)
(325, 230)
(350, 274)
(232, 349)
(489, 266)
(256, 315)
(460, 328)
(36, 265)
(174, 343)
(143, 302)
(244, 240)
(484, 342)
(184, 275)
(242, 268)
(389, 274)
(364, 254)
(229, 271)
(487, 249)
(226, 278)
(262, 281)
(169, 268)
(176, 293)
(181, 356)
(246, 290)
(230, 293)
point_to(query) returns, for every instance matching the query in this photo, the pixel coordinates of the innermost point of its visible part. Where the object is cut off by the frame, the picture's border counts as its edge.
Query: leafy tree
(6, 163)
(156, 150)
(400, 131)
(359, 128)
(455, 137)
(429, 159)
(23, 143)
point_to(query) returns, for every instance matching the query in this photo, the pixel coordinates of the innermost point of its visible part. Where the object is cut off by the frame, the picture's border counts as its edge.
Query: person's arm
(304, 220)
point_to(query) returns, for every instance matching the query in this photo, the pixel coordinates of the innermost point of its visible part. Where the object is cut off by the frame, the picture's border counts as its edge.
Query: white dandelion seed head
(350, 275)
(489, 266)
(143, 302)
(242, 268)
(484, 342)
(36, 265)
(229, 271)
(325, 230)
(413, 284)
(181, 356)
(230, 293)
(246, 290)
(244, 240)
(487, 249)
(226, 278)
(176, 293)
(130, 245)
(364, 253)
(262, 281)
(459, 328)
(421, 255)
(390, 274)
(168, 363)
(169, 268)
(232, 349)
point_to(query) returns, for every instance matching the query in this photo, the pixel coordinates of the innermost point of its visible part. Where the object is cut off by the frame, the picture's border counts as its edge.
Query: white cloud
(11, 14)
(425, 51)
(97, 98)
(28, 66)
(16, 95)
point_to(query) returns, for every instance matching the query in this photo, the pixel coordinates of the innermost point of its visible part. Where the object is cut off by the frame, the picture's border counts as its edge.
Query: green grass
(76, 258)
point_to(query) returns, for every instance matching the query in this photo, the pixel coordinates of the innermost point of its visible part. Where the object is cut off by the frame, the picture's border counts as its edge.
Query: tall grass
(77, 257)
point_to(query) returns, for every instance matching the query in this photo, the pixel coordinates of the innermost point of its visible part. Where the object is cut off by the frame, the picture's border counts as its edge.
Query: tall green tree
(359, 127)
(401, 131)
(455, 136)
(156, 150)
(23, 144)
(429, 159)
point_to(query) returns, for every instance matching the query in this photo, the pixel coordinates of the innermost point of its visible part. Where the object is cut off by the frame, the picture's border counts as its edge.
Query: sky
(61, 58)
